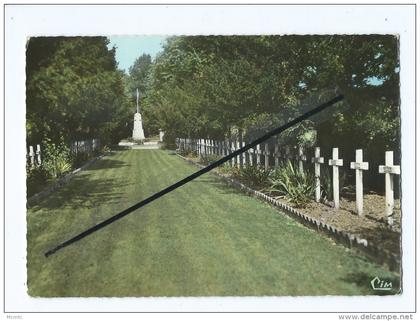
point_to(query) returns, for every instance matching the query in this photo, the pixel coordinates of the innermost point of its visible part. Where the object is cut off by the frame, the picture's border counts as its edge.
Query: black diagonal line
(194, 175)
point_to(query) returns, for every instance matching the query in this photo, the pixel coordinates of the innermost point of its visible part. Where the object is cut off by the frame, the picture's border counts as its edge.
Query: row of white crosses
(222, 148)
(389, 169)
(34, 156)
(205, 146)
(210, 147)
(335, 162)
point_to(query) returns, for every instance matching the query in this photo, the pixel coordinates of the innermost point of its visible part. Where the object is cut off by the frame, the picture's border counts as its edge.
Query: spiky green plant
(296, 186)
(254, 176)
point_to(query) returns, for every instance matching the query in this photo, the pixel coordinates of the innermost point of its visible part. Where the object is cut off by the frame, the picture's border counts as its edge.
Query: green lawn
(204, 239)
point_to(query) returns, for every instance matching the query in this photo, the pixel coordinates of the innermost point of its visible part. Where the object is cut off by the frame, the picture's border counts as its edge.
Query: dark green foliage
(80, 158)
(74, 90)
(297, 186)
(139, 72)
(253, 176)
(326, 184)
(56, 158)
(36, 179)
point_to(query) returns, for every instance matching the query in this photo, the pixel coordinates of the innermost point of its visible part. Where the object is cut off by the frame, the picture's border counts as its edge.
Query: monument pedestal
(138, 133)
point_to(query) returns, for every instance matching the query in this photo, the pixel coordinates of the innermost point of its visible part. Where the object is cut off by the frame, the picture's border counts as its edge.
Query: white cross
(287, 153)
(227, 148)
(276, 155)
(250, 156)
(241, 143)
(32, 155)
(243, 155)
(266, 156)
(38, 153)
(335, 162)
(258, 152)
(222, 147)
(301, 157)
(389, 169)
(318, 160)
(239, 157)
(359, 165)
(232, 149)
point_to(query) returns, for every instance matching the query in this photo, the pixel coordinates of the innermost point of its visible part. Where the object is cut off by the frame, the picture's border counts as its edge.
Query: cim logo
(381, 285)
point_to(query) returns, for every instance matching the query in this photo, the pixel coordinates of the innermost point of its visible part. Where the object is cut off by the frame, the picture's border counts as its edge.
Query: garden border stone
(373, 251)
(34, 199)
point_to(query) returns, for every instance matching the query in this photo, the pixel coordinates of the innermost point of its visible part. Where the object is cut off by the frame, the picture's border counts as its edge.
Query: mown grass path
(204, 239)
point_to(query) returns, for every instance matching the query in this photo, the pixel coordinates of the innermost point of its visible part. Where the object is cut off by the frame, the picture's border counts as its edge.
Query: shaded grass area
(204, 239)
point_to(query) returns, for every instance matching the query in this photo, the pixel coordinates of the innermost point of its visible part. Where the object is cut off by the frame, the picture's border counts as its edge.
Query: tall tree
(139, 72)
(74, 90)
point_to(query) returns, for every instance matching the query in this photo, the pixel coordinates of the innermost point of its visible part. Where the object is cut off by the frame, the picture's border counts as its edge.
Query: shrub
(253, 176)
(296, 186)
(56, 160)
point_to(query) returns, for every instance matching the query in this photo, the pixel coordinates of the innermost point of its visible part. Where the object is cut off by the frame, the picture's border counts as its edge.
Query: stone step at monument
(146, 146)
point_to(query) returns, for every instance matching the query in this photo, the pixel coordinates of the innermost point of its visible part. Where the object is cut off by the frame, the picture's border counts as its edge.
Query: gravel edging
(373, 251)
(34, 199)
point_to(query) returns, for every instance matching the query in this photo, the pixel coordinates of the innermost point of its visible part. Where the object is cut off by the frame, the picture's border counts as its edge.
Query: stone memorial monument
(138, 133)
(161, 134)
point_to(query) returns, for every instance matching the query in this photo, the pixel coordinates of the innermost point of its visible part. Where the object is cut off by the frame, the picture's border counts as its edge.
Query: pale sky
(129, 48)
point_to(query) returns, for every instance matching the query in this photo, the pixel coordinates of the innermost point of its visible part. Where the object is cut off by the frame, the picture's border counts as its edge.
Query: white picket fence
(34, 156)
(254, 156)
